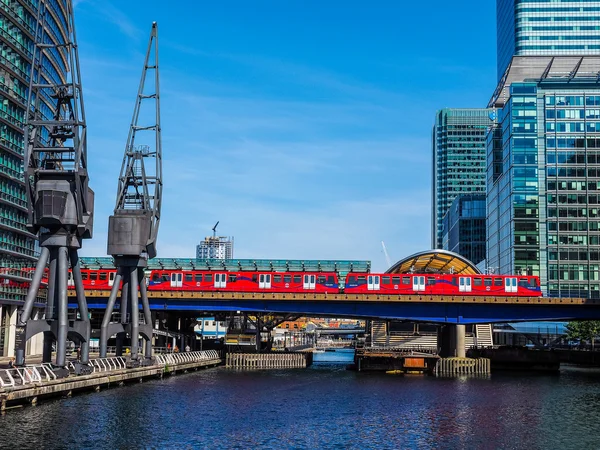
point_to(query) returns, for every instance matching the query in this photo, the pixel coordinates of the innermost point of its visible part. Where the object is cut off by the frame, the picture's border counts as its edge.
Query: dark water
(321, 407)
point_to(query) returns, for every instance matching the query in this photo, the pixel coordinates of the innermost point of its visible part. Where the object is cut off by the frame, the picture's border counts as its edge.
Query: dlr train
(324, 282)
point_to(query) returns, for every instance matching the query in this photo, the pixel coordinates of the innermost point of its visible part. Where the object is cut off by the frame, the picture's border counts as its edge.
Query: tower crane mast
(133, 227)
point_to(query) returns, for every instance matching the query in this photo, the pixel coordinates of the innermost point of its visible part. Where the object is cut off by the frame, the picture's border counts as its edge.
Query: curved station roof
(435, 261)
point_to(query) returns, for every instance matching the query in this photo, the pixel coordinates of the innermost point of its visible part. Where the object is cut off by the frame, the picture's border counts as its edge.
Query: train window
(362, 279)
(297, 278)
(232, 278)
(523, 282)
(189, 277)
(533, 282)
(497, 281)
(276, 278)
(405, 280)
(197, 277)
(287, 278)
(330, 279)
(165, 277)
(395, 280)
(208, 277)
(93, 276)
(255, 277)
(155, 277)
(430, 281)
(476, 281)
(84, 276)
(351, 279)
(103, 276)
(385, 280)
(321, 279)
(487, 281)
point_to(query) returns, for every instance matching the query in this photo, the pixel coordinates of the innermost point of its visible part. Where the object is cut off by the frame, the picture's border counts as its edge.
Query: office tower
(459, 160)
(543, 175)
(546, 28)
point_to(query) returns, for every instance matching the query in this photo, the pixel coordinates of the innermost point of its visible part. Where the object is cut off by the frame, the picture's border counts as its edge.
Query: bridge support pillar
(451, 341)
(460, 341)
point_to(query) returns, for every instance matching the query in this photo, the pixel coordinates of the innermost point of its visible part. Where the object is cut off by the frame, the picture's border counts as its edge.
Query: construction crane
(214, 229)
(387, 257)
(133, 228)
(60, 203)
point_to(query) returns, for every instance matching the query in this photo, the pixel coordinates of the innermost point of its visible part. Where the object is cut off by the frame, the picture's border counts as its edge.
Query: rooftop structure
(232, 265)
(546, 27)
(435, 261)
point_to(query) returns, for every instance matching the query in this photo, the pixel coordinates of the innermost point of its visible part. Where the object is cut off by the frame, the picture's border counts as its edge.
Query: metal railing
(187, 357)
(21, 376)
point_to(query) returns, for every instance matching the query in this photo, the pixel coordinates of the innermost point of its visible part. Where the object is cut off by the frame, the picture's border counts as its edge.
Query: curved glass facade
(17, 29)
(546, 27)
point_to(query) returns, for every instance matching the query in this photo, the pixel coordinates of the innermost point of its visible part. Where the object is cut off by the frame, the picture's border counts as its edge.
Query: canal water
(324, 406)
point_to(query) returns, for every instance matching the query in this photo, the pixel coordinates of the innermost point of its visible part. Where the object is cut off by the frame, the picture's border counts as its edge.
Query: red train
(322, 282)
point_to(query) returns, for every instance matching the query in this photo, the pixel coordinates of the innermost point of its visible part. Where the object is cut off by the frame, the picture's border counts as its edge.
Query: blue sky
(304, 127)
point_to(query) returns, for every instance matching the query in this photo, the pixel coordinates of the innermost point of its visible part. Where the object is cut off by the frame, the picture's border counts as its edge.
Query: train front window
(533, 282)
(232, 278)
(330, 279)
(351, 279)
(155, 277)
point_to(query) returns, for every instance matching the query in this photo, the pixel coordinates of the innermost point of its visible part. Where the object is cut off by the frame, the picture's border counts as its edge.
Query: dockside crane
(133, 228)
(60, 203)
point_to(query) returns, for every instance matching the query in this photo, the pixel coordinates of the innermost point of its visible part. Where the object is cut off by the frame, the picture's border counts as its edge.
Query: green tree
(585, 330)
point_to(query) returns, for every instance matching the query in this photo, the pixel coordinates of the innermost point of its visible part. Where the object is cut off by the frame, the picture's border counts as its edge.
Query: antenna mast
(133, 228)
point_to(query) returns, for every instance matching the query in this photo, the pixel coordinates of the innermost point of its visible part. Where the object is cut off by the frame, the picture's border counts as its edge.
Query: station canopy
(435, 261)
(234, 265)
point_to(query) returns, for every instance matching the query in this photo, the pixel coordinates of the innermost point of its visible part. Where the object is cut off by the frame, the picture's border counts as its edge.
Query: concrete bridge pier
(451, 341)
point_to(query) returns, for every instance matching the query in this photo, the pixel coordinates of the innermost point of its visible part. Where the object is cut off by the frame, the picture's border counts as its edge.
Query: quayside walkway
(29, 384)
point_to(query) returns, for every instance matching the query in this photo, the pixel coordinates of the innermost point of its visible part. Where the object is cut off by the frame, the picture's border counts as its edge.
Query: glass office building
(543, 177)
(459, 160)
(546, 27)
(464, 227)
(17, 29)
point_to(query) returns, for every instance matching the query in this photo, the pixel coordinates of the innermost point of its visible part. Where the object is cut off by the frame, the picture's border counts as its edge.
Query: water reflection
(322, 407)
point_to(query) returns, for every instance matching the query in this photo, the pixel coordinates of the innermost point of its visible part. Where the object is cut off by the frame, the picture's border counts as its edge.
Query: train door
(464, 284)
(510, 284)
(264, 281)
(220, 280)
(418, 283)
(309, 282)
(177, 279)
(111, 278)
(373, 283)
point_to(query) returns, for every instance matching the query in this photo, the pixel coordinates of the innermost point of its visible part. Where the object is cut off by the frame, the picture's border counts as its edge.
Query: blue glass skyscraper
(546, 28)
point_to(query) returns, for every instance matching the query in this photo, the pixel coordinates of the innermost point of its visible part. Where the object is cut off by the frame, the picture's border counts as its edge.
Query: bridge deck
(336, 297)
